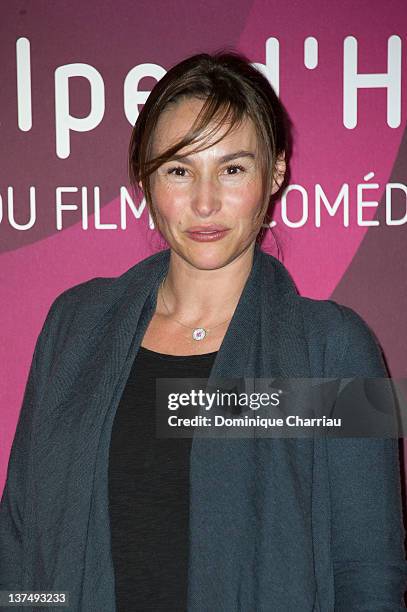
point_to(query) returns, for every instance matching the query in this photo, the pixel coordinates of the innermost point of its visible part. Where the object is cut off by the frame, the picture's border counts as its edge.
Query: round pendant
(199, 333)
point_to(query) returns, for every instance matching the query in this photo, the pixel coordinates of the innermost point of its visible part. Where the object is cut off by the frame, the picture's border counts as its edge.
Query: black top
(149, 490)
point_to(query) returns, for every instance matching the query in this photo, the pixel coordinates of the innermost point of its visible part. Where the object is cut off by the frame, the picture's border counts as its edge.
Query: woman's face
(220, 186)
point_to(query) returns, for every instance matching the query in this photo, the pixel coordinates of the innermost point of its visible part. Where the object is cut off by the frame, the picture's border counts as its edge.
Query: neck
(205, 297)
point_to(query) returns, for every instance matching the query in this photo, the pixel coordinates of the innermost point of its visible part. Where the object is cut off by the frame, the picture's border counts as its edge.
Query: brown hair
(233, 89)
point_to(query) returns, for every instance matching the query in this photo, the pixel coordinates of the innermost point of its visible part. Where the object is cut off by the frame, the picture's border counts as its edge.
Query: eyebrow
(223, 159)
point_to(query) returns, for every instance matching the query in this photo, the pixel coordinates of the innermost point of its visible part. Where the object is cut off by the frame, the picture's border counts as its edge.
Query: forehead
(177, 119)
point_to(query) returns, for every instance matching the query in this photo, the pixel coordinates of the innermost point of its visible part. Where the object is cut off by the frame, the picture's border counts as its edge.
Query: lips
(204, 229)
(207, 233)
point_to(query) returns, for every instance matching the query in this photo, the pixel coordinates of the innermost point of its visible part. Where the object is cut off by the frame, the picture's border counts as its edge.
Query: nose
(206, 197)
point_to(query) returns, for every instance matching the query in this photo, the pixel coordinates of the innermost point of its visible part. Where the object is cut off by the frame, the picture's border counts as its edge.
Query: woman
(94, 503)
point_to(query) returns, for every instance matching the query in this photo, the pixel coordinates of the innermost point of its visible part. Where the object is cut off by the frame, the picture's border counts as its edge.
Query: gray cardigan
(276, 525)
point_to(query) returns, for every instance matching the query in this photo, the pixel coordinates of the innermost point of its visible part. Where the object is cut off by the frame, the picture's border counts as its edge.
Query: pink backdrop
(358, 265)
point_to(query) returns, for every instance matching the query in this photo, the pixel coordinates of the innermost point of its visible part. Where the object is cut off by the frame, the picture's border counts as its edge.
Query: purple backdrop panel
(73, 76)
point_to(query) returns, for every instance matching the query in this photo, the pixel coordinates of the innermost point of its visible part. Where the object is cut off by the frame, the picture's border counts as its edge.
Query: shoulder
(78, 299)
(100, 292)
(75, 310)
(339, 342)
(350, 346)
(326, 323)
(333, 317)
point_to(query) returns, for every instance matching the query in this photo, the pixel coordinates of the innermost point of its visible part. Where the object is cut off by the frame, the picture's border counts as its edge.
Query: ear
(279, 172)
(140, 184)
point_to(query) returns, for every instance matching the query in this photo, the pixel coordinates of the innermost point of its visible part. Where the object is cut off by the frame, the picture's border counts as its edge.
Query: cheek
(245, 201)
(167, 203)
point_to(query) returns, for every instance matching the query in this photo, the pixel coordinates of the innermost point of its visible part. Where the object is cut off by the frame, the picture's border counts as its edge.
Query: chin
(210, 256)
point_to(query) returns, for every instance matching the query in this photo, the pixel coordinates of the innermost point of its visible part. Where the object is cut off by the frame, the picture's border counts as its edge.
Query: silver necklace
(198, 333)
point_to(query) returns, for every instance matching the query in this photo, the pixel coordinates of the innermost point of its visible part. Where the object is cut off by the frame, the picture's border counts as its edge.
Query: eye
(234, 168)
(176, 171)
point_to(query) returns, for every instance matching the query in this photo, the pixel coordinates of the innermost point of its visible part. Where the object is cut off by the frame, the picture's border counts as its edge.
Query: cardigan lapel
(88, 378)
(241, 489)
